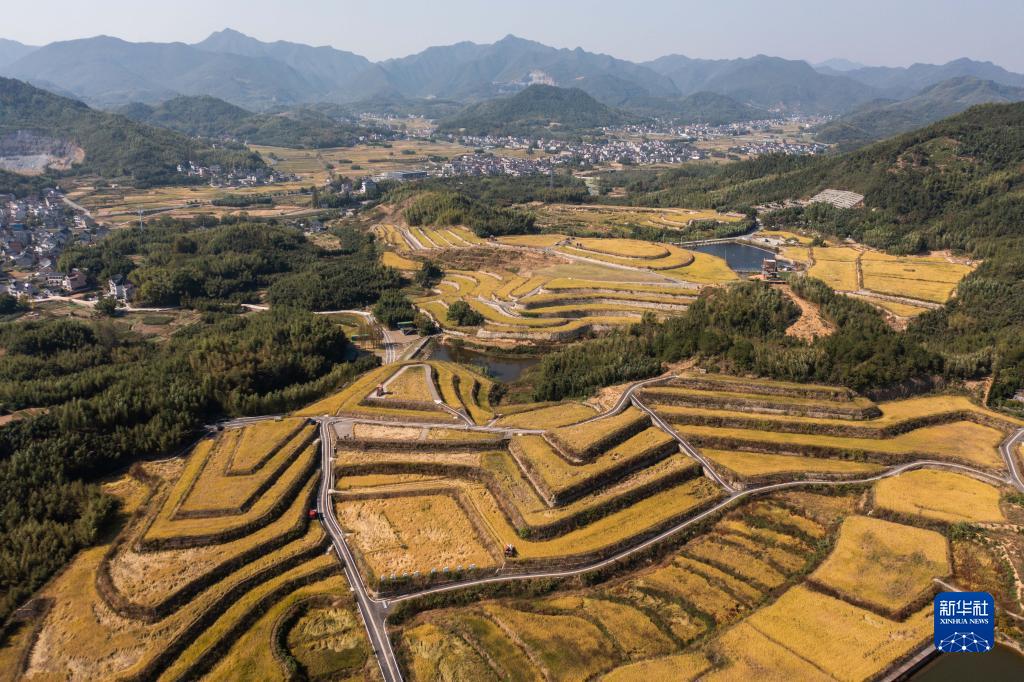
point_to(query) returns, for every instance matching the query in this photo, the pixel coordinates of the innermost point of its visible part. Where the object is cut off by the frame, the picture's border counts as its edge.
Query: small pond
(495, 365)
(739, 257)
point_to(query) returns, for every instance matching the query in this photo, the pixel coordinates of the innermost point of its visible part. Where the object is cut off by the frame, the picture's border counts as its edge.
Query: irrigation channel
(374, 609)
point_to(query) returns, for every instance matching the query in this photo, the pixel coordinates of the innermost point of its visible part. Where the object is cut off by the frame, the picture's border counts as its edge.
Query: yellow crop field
(150, 577)
(210, 491)
(966, 441)
(796, 254)
(704, 269)
(761, 464)
(629, 248)
(672, 258)
(682, 667)
(251, 657)
(632, 630)
(259, 438)
(569, 284)
(859, 644)
(629, 297)
(393, 260)
(558, 475)
(750, 655)
(739, 562)
(692, 587)
(607, 530)
(801, 239)
(581, 436)
(348, 399)
(893, 412)
(841, 275)
(940, 495)
(438, 655)
(619, 218)
(782, 516)
(550, 417)
(406, 534)
(472, 391)
(570, 647)
(539, 240)
(939, 292)
(409, 383)
(894, 307)
(885, 565)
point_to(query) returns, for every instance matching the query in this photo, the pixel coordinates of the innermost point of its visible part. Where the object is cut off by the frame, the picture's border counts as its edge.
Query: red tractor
(510, 551)
(312, 513)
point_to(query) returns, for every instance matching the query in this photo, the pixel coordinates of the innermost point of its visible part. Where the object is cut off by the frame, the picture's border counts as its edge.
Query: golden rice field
(958, 441)
(755, 464)
(885, 566)
(859, 644)
(614, 218)
(471, 395)
(579, 437)
(312, 164)
(846, 268)
(409, 383)
(522, 306)
(647, 622)
(549, 417)
(148, 606)
(941, 496)
(408, 534)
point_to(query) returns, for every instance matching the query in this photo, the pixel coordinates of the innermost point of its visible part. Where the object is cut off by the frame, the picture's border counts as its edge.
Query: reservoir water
(739, 257)
(1002, 663)
(495, 365)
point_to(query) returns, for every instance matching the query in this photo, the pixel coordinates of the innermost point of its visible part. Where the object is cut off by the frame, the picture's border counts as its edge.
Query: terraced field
(758, 431)
(902, 285)
(618, 219)
(216, 552)
(521, 491)
(746, 598)
(642, 623)
(624, 279)
(406, 391)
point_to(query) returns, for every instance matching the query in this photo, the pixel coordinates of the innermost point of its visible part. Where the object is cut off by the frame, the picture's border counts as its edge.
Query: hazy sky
(875, 32)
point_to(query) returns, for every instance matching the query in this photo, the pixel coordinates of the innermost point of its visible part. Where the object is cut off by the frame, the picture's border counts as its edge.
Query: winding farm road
(374, 609)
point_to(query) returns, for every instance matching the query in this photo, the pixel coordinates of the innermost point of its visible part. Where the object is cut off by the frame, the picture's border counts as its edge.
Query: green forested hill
(115, 146)
(880, 120)
(957, 184)
(537, 109)
(211, 117)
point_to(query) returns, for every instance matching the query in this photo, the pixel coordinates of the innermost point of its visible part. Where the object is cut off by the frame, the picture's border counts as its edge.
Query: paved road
(689, 449)
(371, 610)
(1007, 448)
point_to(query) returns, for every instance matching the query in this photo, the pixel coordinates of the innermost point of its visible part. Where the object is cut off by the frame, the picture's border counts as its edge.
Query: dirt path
(810, 324)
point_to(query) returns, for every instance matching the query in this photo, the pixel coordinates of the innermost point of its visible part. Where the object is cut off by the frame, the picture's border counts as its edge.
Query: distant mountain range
(263, 76)
(885, 118)
(900, 83)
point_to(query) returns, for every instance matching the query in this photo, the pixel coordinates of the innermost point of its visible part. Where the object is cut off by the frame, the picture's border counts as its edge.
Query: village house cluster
(34, 231)
(787, 147)
(704, 132)
(233, 177)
